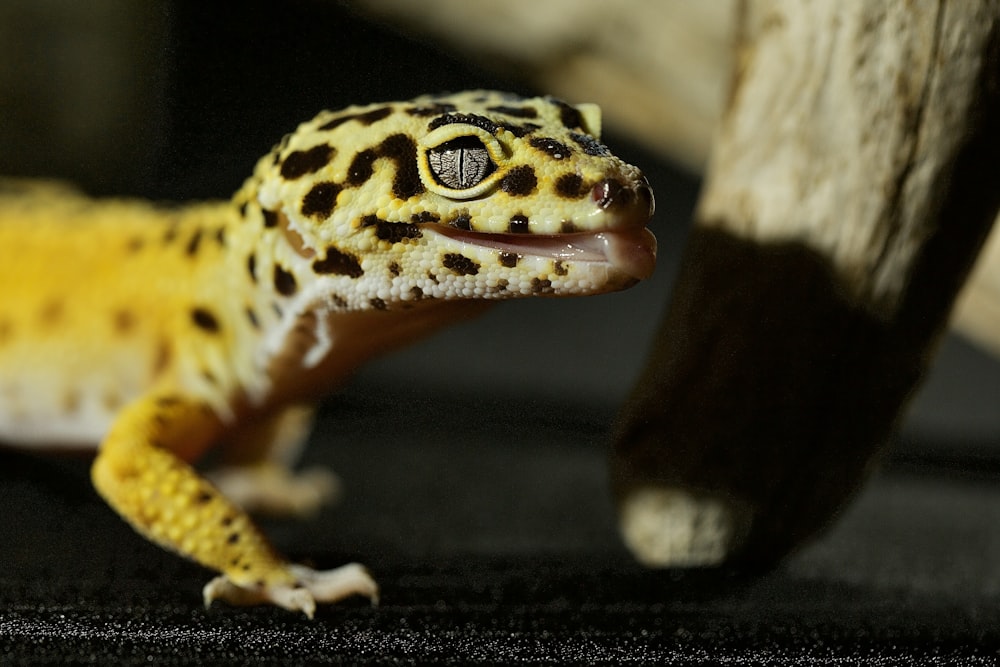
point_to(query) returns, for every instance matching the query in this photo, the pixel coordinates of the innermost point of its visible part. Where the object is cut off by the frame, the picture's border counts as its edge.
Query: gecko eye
(461, 163)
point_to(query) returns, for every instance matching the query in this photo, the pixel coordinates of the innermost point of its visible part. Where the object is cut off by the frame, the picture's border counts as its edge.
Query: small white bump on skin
(269, 195)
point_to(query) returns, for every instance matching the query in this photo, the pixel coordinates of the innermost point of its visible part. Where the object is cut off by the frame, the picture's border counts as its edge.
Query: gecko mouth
(631, 251)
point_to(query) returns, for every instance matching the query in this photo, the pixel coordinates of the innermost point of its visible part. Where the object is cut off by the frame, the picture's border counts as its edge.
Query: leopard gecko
(154, 333)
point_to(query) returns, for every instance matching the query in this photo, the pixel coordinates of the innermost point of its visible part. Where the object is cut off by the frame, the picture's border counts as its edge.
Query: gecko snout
(633, 202)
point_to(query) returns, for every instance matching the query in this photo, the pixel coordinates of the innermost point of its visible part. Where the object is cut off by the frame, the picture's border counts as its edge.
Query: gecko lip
(631, 251)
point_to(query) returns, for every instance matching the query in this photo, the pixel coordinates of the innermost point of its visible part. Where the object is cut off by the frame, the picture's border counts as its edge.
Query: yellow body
(95, 307)
(159, 332)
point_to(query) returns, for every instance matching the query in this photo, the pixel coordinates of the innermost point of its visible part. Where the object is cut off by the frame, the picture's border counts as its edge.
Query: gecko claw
(311, 586)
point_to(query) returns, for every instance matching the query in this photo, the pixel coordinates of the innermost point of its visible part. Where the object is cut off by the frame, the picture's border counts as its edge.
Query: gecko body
(155, 333)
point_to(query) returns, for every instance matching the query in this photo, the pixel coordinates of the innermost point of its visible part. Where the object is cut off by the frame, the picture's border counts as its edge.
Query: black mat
(493, 539)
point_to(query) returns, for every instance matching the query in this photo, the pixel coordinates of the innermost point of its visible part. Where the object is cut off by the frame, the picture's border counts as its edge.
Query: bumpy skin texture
(161, 332)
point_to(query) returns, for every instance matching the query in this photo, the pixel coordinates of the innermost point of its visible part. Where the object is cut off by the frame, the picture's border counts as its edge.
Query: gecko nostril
(613, 194)
(610, 192)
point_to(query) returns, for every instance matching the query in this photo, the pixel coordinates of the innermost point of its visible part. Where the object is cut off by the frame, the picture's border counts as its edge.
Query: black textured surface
(493, 539)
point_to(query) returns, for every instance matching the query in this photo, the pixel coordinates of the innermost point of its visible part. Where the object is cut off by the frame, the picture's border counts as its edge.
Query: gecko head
(474, 195)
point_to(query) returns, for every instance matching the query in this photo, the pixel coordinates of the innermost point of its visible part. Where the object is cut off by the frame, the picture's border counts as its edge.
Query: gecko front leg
(257, 467)
(142, 471)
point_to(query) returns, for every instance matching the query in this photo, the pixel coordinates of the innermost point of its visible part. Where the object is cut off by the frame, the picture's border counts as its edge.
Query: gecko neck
(349, 339)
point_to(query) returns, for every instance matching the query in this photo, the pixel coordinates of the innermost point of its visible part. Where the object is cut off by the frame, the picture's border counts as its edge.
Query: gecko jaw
(631, 251)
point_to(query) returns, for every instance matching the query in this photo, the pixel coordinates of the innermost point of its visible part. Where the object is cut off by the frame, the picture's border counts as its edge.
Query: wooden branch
(851, 185)
(658, 69)
(977, 311)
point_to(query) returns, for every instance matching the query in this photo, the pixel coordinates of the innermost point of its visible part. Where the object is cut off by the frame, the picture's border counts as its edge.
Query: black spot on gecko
(134, 245)
(366, 118)
(284, 281)
(124, 321)
(361, 168)
(509, 259)
(460, 264)
(402, 150)
(416, 292)
(205, 320)
(462, 220)
(252, 266)
(170, 235)
(590, 145)
(559, 268)
(517, 112)
(395, 269)
(569, 115)
(423, 217)
(252, 318)
(377, 303)
(518, 224)
(202, 497)
(299, 163)
(338, 263)
(339, 301)
(220, 237)
(52, 312)
(520, 130)
(192, 247)
(164, 354)
(519, 181)
(233, 538)
(320, 201)
(551, 147)
(570, 186)
(270, 218)
(393, 232)
(541, 286)
(567, 227)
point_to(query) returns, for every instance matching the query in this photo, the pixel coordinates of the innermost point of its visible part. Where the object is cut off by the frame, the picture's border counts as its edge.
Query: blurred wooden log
(658, 69)
(977, 312)
(852, 183)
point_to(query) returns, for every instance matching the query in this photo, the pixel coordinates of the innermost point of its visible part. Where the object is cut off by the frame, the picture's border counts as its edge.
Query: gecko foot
(311, 586)
(272, 489)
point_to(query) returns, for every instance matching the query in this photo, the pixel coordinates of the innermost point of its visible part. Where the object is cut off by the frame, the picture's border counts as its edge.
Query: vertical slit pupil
(460, 163)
